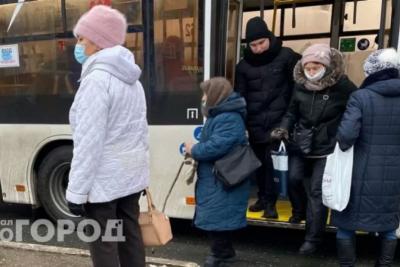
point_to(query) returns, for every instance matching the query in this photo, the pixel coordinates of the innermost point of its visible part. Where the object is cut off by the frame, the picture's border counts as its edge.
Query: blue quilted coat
(217, 207)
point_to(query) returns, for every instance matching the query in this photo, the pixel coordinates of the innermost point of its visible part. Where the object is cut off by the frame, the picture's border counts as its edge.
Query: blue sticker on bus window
(197, 133)
(182, 149)
(6, 54)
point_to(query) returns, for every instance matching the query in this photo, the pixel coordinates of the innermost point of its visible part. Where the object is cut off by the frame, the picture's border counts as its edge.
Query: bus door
(356, 28)
(296, 26)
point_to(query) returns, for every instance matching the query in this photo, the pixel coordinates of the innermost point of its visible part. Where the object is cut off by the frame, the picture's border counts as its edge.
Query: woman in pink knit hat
(110, 164)
(318, 102)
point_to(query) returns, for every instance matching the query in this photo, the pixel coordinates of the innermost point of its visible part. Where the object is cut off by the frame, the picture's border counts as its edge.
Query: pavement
(14, 254)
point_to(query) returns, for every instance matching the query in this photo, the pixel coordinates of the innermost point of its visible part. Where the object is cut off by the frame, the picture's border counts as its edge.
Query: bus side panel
(18, 146)
(165, 142)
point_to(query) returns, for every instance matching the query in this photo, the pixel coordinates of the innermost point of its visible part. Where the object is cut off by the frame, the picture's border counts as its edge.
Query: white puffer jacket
(109, 130)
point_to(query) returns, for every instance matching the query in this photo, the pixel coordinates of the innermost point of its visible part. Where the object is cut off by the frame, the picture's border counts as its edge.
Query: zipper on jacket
(312, 104)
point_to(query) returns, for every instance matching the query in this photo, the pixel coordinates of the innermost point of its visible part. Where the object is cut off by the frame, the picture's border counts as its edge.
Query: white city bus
(178, 43)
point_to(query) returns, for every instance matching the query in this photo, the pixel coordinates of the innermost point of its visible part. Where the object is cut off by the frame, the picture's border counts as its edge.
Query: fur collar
(333, 73)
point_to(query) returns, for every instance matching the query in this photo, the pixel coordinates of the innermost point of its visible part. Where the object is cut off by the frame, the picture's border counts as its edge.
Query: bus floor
(284, 211)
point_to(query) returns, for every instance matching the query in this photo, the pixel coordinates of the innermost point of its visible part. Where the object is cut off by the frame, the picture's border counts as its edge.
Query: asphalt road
(256, 246)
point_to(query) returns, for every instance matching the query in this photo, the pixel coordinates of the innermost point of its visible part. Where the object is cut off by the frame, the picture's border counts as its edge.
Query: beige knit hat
(217, 90)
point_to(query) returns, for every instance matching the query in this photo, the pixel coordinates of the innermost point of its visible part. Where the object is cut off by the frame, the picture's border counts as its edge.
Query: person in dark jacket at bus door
(220, 211)
(264, 77)
(371, 124)
(318, 103)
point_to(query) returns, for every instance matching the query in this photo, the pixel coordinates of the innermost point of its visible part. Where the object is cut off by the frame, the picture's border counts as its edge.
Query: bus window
(388, 22)
(178, 62)
(44, 83)
(367, 16)
(75, 8)
(300, 45)
(232, 41)
(134, 42)
(46, 18)
(268, 17)
(132, 10)
(365, 28)
(306, 18)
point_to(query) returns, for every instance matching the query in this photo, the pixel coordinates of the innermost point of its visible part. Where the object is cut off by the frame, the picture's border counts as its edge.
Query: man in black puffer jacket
(265, 79)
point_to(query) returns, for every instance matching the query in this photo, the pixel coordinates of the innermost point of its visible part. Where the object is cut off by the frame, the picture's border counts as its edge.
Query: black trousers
(221, 244)
(305, 194)
(264, 175)
(126, 253)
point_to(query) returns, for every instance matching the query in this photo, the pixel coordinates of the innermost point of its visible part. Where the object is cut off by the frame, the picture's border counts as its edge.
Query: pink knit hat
(104, 26)
(320, 53)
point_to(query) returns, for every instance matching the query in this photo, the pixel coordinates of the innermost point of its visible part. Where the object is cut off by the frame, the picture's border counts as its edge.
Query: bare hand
(279, 134)
(188, 147)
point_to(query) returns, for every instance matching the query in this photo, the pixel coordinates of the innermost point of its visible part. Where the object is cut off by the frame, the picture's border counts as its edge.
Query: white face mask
(317, 76)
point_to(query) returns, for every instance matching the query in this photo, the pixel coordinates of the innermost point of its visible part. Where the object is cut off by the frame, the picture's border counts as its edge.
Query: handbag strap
(150, 203)
(282, 147)
(173, 184)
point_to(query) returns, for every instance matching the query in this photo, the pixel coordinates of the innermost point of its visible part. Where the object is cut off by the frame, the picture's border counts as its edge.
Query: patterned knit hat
(103, 25)
(380, 60)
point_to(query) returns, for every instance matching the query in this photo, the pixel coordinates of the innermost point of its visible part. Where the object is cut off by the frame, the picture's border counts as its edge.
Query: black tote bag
(236, 166)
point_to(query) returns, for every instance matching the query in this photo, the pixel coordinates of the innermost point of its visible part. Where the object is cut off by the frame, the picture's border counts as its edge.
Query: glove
(76, 209)
(279, 134)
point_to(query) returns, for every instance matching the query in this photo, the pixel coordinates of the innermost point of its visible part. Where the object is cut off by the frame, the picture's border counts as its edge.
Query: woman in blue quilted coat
(219, 210)
(372, 124)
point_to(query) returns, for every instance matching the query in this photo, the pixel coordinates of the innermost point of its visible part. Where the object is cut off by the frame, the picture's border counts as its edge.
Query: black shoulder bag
(236, 166)
(303, 137)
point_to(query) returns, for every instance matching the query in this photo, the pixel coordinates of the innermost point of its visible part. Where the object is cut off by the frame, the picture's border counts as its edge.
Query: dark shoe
(212, 261)
(270, 212)
(388, 249)
(258, 206)
(297, 218)
(346, 250)
(308, 248)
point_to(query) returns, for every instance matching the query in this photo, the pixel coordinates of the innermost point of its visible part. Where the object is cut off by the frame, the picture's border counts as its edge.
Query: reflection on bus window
(177, 45)
(178, 62)
(47, 18)
(131, 9)
(232, 41)
(46, 68)
(134, 42)
(43, 84)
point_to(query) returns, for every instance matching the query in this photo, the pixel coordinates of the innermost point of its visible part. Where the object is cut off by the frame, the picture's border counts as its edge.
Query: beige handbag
(154, 225)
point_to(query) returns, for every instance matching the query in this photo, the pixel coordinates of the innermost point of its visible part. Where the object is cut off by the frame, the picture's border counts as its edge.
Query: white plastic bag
(336, 181)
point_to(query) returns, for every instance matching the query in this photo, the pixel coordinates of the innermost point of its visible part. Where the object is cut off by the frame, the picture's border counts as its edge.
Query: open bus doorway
(342, 24)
